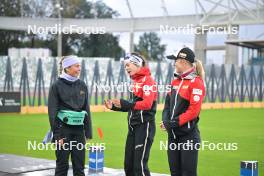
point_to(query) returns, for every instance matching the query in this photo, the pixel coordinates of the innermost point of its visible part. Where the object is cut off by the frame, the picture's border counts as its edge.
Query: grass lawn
(242, 126)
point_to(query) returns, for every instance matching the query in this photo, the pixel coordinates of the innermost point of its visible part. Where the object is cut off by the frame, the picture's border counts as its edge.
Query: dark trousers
(77, 156)
(138, 144)
(182, 154)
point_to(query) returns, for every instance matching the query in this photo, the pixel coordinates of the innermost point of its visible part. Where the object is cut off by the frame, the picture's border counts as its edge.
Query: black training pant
(182, 154)
(138, 144)
(77, 155)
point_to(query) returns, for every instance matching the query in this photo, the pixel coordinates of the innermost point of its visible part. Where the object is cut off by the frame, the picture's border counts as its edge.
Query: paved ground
(13, 165)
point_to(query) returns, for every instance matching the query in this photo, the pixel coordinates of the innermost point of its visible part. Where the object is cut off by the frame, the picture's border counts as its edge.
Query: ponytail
(60, 65)
(199, 69)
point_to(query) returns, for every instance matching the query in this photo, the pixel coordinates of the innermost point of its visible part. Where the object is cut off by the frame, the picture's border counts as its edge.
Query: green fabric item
(72, 117)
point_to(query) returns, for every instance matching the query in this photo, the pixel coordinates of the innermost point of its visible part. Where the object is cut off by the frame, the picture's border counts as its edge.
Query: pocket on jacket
(185, 129)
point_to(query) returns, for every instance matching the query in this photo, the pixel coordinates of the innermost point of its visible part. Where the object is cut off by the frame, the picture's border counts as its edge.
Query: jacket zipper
(132, 110)
(129, 120)
(175, 105)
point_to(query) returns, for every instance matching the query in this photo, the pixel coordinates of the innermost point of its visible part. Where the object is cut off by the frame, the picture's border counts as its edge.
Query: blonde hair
(199, 68)
(60, 65)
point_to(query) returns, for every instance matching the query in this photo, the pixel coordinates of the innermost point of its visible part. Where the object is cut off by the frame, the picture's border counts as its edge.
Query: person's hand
(108, 104)
(162, 126)
(61, 142)
(116, 102)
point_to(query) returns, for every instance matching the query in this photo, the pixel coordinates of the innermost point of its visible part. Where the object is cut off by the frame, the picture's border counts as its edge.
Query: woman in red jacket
(181, 113)
(141, 108)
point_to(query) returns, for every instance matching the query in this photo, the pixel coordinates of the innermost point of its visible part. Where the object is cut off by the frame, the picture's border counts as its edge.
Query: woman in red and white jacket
(141, 108)
(181, 113)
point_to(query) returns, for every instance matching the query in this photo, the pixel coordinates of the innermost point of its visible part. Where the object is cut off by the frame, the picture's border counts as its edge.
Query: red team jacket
(141, 106)
(183, 104)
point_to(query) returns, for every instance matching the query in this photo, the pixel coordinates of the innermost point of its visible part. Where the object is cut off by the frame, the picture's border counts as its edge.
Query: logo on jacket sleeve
(197, 92)
(196, 98)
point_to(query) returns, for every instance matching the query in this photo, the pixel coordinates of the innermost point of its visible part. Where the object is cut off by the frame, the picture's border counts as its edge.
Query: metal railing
(225, 83)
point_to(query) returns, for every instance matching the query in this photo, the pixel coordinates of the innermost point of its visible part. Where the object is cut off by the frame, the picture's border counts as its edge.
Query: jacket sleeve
(123, 108)
(166, 109)
(88, 118)
(147, 99)
(197, 92)
(53, 106)
(149, 94)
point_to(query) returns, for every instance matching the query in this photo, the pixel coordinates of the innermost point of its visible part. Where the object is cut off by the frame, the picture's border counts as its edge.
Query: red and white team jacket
(141, 106)
(183, 103)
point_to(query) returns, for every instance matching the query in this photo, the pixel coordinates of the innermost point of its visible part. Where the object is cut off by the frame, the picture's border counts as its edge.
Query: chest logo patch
(185, 87)
(82, 92)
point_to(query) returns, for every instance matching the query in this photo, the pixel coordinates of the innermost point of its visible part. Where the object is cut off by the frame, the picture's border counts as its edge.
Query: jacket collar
(189, 74)
(144, 71)
(69, 82)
